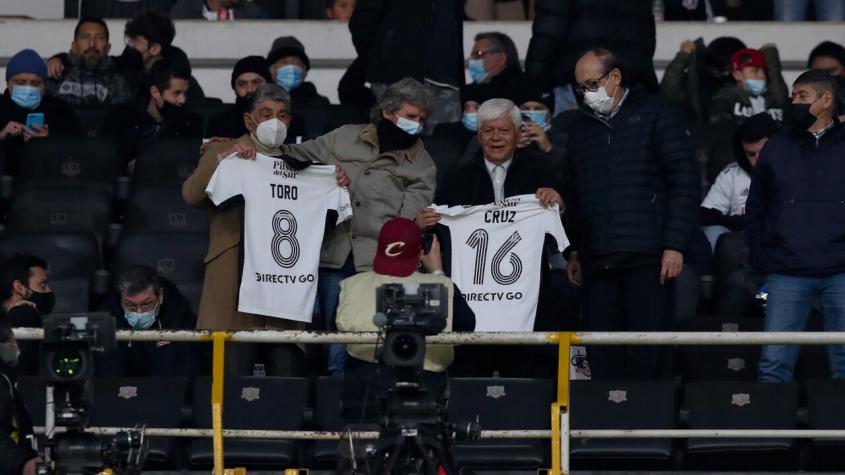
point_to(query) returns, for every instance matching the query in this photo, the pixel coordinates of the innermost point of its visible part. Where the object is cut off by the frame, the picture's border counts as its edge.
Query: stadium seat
(62, 207)
(318, 120)
(161, 208)
(499, 404)
(177, 256)
(259, 403)
(826, 410)
(722, 324)
(741, 405)
(327, 417)
(72, 160)
(622, 405)
(166, 162)
(724, 363)
(445, 155)
(73, 259)
(90, 117)
(154, 402)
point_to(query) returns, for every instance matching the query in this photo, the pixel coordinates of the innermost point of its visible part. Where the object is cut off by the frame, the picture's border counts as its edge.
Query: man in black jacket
(145, 301)
(26, 74)
(499, 171)
(632, 191)
(564, 29)
(16, 454)
(795, 224)
(420, 39)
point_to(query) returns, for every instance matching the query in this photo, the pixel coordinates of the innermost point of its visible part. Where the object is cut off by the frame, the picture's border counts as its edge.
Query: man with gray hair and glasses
(146, 301)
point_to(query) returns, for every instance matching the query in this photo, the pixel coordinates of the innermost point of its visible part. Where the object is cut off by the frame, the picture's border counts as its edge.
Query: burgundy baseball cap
(748, 58)
(399, 245)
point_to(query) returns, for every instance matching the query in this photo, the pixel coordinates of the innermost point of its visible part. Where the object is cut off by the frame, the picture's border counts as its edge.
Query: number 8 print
(281, 235)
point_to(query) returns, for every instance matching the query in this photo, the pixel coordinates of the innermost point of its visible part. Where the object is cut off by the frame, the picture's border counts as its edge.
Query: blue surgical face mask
(470, 121)
(409, 126)
(141, 321)
(538, 117)
(289, 77)
(476, 70)
(27, 97)
(755, 86)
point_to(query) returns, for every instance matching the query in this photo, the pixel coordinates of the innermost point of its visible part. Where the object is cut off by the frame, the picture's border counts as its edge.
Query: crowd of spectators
(585, 125)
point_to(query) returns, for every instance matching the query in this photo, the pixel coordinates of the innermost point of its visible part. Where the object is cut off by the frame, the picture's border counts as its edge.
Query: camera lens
(67, 364)
(405, 347)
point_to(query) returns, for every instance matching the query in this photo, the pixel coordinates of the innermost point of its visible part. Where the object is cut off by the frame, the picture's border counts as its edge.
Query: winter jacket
(59, 117)
(99, 83)
(306, 95)
(15, 426)
(135, 127)
(153, 358)
(795, 213)
(734, 104)
(564, 29)
(422, 39)
(632, 183)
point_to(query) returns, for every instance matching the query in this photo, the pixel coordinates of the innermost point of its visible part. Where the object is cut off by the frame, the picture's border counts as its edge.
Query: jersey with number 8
(284, 220)
(496, 255)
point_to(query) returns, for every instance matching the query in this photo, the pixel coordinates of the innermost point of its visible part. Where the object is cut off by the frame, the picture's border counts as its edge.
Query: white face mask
(271, 133)
(600, 101)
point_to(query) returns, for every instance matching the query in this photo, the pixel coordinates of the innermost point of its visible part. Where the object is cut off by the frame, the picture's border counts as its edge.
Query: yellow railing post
(560, 408)
(219, 338)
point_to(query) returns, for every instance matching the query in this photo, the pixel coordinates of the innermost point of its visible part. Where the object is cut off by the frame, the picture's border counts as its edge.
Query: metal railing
(560, 433)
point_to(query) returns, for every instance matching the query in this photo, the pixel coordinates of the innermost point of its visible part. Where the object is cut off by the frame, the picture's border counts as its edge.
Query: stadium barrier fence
(560, 433)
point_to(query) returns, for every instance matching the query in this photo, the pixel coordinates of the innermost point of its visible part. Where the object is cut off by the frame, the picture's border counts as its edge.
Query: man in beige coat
(218, 305)
(391, 176)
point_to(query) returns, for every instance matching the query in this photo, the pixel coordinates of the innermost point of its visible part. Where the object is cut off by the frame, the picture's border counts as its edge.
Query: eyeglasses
(143, 307)
(591, 85)
(481, 54)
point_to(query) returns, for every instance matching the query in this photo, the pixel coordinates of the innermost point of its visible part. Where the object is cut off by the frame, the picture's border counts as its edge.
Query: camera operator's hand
(31, 466)
(432, 261)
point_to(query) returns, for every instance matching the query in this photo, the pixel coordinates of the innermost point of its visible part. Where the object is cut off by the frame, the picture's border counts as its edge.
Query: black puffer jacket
(409, 38)
(632, 181)
(564, 29)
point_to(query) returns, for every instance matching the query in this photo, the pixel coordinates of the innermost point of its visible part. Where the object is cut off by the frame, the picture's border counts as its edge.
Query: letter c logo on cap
(389, 252)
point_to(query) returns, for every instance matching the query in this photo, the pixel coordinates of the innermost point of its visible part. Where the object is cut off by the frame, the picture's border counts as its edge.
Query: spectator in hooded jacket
(794, 223)
(758, 87)
(89, 75)
(697, 72)
(289, 67)
(631, 191)
(26, 75)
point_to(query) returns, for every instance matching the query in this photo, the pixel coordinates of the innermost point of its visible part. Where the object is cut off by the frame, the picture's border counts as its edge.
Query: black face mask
(242, 102)
(44, 301)
(800, 116)
(391, 137)
(169, 110)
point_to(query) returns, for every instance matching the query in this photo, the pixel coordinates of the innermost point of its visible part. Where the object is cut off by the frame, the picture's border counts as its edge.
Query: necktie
(499, 182)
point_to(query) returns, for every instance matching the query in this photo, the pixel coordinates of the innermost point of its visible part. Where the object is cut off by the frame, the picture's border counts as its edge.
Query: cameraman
(398, 254)
(16, 454)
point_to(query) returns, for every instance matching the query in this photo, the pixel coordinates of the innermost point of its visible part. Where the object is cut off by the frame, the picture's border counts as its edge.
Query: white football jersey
(284, 220)
(496, 254)
(729, 191)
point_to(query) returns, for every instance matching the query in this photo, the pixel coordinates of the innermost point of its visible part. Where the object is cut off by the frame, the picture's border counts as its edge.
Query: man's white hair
(492, 109)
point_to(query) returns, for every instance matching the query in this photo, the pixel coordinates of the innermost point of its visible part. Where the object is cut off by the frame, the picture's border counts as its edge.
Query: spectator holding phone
(24, 103)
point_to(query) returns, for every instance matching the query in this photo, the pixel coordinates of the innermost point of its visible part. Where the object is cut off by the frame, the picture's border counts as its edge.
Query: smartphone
(526, 118)
(34, 119)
